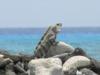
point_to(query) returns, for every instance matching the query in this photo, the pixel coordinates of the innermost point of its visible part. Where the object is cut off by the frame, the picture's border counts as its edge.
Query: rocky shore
(51, 57)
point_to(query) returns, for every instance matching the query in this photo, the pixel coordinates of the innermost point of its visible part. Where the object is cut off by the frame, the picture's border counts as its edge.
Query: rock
(76, 62)
(79, 51)
(71, 72)
(16, 57)
(95, 65)
(63, 56)
(66, 56)
(10, 69)
(49, 66)
(86, 71)
(22, 74)
(2, 72)
(78, 73)
(21, 64)
(28, 72)
(5, 62)
(1, 56)
(10, 72)
(19, 69)
(60, 48)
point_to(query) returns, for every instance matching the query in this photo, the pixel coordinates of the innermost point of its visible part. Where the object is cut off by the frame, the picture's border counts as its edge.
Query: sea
(24, 40)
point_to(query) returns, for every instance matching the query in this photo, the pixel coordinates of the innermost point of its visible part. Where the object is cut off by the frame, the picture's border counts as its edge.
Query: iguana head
(57, 27)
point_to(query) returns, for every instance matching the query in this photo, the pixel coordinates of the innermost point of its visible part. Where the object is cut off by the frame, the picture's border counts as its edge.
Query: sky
(42, 13)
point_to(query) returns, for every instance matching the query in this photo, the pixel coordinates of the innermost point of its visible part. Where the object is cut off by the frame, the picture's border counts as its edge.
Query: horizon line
(62, 27)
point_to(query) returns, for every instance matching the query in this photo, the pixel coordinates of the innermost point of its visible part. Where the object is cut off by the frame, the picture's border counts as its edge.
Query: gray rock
(19, 69)
(79, 73)
(10, 69)
(49, 66)
(72, 71)
(2, 72)
(86, 71)
(10, 72)
(95, 65)
(60, 48)
(5, 62)
(66, 56)
(79, 51)
(63, 57)
(76, 62)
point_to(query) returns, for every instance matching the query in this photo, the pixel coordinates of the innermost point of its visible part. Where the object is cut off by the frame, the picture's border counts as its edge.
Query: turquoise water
(25, 40)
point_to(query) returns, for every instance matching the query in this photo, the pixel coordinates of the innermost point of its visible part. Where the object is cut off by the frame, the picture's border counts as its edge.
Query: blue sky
(41, 13)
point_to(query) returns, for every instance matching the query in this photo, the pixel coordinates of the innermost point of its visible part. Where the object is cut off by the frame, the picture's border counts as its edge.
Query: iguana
(48, 39)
